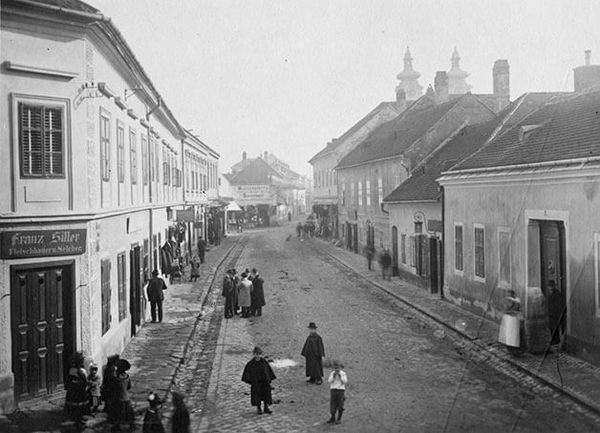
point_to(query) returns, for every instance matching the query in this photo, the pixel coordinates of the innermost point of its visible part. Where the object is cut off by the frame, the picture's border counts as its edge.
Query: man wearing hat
(314, 351)
(228, 293)
(259, 374)
(152, 418)
(155, 295)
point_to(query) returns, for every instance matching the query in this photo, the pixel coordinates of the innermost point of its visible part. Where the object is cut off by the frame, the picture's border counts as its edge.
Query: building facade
(93, 175)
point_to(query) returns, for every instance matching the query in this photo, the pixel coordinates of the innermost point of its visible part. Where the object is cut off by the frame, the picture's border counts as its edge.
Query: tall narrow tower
(456, 76)
(409, 80)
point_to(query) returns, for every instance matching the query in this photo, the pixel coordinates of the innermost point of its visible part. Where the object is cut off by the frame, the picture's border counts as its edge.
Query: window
(479, 245)
(144, 159)
(153, 163)
(368, 192)
(133, 156)
(419, 227)
(504, 256)
(105, 145)
(380, 190)
(120, 152)
(121, 272)
(344, 194)
(458, 247)
(403, 248)
(352, 198)
(41, 141)
(105, 289)
(166, 168)
(360, 194)
(413, 252)
(597, 270)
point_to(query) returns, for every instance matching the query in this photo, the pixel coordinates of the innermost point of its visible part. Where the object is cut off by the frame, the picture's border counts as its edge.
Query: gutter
(81, 14)
(574, 161)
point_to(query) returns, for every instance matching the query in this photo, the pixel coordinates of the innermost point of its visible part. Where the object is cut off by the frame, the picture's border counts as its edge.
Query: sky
(288, 76)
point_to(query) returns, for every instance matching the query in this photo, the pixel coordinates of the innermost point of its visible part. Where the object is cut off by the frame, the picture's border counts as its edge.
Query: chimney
(244, 155)
(400, 100)
(501, 77)
(586, 76)
(441, 86)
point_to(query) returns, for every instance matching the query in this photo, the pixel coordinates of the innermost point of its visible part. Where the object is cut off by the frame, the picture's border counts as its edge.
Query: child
(337, 383)
(94, 388)
(152, 421)
(123, 384)
(195, 273)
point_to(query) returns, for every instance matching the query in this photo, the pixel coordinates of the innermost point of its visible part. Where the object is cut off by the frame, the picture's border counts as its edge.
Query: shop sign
(42, 243)
(186, 216)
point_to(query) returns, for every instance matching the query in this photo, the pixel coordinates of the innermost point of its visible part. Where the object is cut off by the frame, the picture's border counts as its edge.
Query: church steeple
(409, 83)
(456, 76)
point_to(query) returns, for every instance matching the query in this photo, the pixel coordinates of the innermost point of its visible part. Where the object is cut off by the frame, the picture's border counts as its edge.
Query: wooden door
(553, 258)
(355, 238)
(434, 264)
(42, 334)
(135, 308)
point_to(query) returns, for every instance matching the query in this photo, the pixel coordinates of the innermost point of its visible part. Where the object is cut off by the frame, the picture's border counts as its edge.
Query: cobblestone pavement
(404, 373)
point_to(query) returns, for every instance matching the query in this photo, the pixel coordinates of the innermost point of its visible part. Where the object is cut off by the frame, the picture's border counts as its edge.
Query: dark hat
(178, 396)
(155, 272)
(257, 351)
(312, 325)
(123, 365)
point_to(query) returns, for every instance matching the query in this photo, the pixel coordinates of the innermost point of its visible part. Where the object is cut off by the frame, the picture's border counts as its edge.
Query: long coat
(258, 294)
(155, 289)
(244, 293)
(313, 351)
(259, 375)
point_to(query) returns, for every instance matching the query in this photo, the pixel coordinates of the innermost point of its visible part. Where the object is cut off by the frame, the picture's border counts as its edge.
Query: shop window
(41, 141)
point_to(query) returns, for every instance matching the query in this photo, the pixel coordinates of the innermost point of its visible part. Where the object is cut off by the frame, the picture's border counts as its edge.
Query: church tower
(456, 77)
(409, 86)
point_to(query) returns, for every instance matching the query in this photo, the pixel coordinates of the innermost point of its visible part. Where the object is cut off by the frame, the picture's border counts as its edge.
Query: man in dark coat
(156, 295)
(258, 294)
(314, 351)
(386, 263)
(259, 374)
(201, 249)
(229, 294)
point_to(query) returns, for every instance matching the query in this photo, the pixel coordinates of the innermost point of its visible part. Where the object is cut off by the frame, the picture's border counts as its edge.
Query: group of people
(306, 230)
(86, 392)
(259, 375)
(244, 295)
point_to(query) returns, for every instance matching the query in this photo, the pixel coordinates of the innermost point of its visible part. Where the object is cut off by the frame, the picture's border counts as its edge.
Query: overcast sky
(287, 76)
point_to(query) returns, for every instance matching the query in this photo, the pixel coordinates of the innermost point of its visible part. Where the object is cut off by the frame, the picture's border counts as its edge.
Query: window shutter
(53, 153)
(31, 140)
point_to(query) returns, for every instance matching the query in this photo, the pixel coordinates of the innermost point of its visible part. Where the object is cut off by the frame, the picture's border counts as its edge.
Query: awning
(233, 207)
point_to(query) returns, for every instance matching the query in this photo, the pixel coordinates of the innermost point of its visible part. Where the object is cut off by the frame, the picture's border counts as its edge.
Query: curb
(572, 395)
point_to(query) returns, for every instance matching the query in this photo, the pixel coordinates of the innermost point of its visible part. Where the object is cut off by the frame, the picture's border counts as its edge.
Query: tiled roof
(257, 172)
(422, 185)
(336, 143)
(567, 129)
(394, 137)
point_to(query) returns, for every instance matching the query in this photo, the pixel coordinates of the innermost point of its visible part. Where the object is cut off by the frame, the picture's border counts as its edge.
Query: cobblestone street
(404, 375)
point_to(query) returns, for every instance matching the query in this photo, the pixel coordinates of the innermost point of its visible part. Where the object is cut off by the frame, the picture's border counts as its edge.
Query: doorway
(42, 327)
(355, 238)
(135, 288)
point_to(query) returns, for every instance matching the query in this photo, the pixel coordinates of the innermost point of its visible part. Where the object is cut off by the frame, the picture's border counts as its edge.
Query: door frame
(69, 303)
(549, 215)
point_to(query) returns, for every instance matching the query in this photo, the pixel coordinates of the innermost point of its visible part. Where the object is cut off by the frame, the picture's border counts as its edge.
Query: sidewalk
(155, 353)
(563, 372)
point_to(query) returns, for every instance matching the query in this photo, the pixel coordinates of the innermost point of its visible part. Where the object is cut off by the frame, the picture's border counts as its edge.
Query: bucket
(510, 330)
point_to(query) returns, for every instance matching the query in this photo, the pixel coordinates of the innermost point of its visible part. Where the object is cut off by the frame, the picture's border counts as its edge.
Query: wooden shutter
(105, 294)
(53, 142)
(121, 272)
(31, 140)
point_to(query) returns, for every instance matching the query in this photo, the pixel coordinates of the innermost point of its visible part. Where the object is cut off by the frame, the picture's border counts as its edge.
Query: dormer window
(526, 130)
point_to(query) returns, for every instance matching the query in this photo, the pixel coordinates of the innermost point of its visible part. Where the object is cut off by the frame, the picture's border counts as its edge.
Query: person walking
(125, 411)
(155, 289)
(386, 263)
(77, 400)
(337, 385)
(259, 374)
(369, 253)
(201, 249)
(180, 421)
(314, 351)
(228, 293)
(298, 229)
(195, 269)
(258, 294)
(245, 295)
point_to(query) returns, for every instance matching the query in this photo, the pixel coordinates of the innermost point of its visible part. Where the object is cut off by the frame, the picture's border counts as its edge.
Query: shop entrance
(42, 327)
